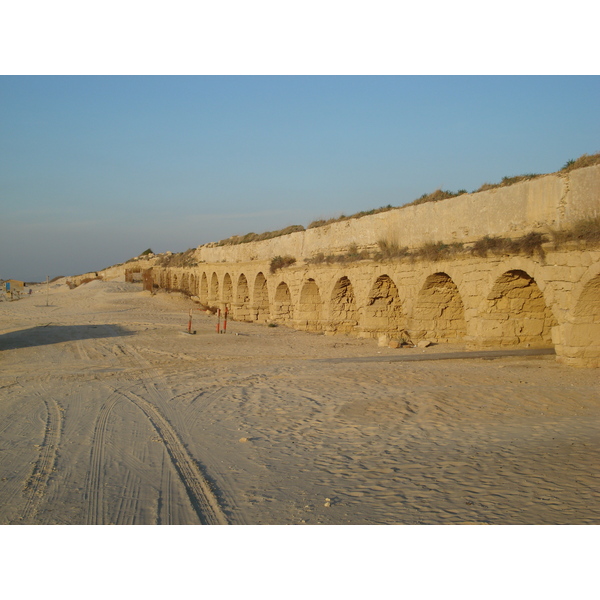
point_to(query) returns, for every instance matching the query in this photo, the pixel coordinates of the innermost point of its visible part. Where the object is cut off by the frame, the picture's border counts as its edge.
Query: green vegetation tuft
(585, 160)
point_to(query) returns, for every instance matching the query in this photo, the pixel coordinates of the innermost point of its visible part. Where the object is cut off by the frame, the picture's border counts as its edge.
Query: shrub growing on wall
(279, 262)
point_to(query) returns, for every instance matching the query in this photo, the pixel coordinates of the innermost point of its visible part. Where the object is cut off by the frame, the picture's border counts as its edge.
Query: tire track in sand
(94, 486)
(35, 486)
(164, 508)
(202, 498)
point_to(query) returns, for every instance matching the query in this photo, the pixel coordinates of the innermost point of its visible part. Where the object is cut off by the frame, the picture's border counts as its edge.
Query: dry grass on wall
(586, 231)
(584, 160)
(180, 259)
(280, 262)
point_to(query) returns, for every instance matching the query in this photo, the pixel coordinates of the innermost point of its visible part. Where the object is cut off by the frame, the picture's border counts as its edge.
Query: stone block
(383, 340)
(532, 327)
(586, 259)
(516, 305)
(581, 334)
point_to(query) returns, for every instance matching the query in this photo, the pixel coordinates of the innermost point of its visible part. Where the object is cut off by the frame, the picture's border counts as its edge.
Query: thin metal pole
(47, 288)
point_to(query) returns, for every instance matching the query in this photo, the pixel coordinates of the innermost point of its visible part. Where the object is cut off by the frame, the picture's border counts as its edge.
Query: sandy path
(110, 413)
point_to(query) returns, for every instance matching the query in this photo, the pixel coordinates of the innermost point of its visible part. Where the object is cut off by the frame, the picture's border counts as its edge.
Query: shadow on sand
(43, 335)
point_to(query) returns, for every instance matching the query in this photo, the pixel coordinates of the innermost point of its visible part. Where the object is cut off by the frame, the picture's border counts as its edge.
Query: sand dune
(111, 413)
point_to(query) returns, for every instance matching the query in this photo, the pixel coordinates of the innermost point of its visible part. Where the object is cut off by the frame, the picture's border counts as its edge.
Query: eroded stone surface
(540, 301)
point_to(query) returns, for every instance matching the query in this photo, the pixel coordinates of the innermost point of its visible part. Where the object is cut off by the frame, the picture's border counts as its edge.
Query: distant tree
(146, 252)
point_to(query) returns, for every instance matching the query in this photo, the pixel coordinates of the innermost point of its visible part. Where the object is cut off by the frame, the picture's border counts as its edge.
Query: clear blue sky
(94, 170)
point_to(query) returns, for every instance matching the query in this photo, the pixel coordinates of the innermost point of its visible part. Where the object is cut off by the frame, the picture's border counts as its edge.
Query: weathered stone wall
(553, 201)
(552, 299)
(483, 302)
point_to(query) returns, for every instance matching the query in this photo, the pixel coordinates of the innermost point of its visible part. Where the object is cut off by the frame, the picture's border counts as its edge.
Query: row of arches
(514, 312)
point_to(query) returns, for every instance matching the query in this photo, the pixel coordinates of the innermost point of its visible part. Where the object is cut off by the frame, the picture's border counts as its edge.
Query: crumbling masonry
(550, 299)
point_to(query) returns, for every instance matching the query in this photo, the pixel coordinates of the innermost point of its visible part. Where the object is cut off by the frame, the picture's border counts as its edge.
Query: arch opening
(343, 311)
(439, 313)
(309, 307)
(227, 289)
(204, 289)
(383, 313)
(213, 295)
(184, 286)
(517, 314)
(282, 305)
(261, 299)
(588, 305)
(241, 308)
(193, 285)
(579, 343)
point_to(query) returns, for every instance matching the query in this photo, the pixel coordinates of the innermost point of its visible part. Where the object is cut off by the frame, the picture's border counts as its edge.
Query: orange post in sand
(190, 322)
(218, 320)
(225, 320)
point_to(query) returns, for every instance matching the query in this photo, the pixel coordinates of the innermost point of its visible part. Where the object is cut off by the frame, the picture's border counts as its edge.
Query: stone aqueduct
(547, 300)
(513, 301)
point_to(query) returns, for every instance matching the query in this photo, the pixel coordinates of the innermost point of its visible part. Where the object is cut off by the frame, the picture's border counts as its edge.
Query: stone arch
(243, 291)
(193, 285)
(241, 307)
(578, 343)
(261, 298)
(227, 289)
(283, 311)
(343, 313)
(383, 312)
(516, 313)
(213, 294)
(587, 308)
(310, 307)
(439, 313)
(204, 288)
(185, 282)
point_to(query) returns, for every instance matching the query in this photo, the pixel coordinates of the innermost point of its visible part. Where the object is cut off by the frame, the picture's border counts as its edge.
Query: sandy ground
(111, 413)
